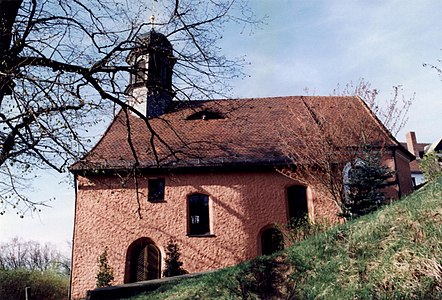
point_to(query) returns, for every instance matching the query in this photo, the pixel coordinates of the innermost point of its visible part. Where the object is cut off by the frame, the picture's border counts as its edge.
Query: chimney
(412, 143)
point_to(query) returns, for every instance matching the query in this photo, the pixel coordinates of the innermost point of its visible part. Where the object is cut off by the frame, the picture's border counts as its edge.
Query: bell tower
(151, 83)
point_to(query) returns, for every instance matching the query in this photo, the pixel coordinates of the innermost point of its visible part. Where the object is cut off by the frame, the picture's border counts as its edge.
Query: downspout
(73, 235)
(396, 173)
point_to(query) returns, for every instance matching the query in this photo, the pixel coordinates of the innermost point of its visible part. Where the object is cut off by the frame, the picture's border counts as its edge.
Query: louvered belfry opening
(143, 261)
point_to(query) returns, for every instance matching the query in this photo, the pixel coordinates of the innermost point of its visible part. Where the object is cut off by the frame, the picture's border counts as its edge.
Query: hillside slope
(395, 253)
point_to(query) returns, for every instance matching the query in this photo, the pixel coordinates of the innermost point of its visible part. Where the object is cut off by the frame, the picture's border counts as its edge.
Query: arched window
(297, 203)
(141, 71)
(271, 241)
(143, 261)
(198, 220)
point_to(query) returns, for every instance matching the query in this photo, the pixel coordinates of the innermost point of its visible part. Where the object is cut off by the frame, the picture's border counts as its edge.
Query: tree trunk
(8, 13)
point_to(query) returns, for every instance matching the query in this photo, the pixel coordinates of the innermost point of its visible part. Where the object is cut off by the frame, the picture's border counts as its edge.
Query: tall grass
(394, 253)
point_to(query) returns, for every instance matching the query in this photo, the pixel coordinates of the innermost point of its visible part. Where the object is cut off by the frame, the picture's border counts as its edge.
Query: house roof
(436, 146)
(414, 165)
(420, 147)
(255, 131)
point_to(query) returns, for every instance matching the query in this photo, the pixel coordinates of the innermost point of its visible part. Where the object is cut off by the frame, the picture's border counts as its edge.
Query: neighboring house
(418, 150)
(436, 147)
(208, 180)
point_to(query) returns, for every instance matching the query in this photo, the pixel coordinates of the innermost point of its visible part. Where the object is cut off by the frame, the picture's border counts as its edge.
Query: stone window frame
(209, 216)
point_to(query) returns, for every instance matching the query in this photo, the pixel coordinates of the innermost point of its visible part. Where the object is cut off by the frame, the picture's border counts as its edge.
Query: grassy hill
(395, 253)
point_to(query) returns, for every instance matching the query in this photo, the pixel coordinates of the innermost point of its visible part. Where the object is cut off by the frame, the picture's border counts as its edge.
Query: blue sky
(318, 44)
(306, 44)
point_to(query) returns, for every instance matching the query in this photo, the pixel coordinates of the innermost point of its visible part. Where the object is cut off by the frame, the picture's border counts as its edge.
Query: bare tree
(325, 141)
(392, 112)
(63, 66)
(31, 255)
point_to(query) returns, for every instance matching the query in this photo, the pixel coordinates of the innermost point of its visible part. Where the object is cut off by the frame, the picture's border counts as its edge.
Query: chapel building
(206, 174)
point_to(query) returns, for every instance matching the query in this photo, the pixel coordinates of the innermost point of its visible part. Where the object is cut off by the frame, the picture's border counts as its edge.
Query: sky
(305, 44)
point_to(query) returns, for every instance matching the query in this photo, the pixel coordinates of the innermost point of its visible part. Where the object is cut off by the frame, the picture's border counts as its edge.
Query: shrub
(431, 166)
(173, 263)
(105, 273)
(267, 277)
(363, 185)
(47, 285)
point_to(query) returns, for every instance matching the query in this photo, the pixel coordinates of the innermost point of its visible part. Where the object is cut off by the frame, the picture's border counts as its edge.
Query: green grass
(394, 253)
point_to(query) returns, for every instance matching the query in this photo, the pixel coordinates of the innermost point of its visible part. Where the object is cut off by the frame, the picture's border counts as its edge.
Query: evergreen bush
(173, 263)
(105, 272)
(364, 184)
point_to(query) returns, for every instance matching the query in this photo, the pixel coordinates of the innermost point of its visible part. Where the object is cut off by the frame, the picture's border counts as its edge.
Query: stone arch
(270, 240)
(143, 261)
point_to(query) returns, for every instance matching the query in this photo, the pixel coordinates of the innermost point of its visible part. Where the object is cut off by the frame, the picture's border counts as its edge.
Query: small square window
(156, 190)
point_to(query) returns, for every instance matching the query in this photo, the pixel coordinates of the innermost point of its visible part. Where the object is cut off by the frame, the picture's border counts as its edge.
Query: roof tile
(253, 131)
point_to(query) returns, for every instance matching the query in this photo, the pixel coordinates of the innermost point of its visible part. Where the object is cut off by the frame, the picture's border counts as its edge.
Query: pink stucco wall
(241, 204)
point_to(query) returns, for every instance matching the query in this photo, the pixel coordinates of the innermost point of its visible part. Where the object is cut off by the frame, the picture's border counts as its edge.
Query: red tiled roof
(250, 132)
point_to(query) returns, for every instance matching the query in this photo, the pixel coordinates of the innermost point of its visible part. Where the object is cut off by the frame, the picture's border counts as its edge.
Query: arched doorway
(143, 261)
(271, 241)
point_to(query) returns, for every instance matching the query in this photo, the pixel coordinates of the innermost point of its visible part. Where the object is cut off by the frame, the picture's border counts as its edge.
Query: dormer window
(205, 115)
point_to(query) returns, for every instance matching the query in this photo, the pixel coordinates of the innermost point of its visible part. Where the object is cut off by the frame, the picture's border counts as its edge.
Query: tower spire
(151, 82)
(152, 17)
(152, 20)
